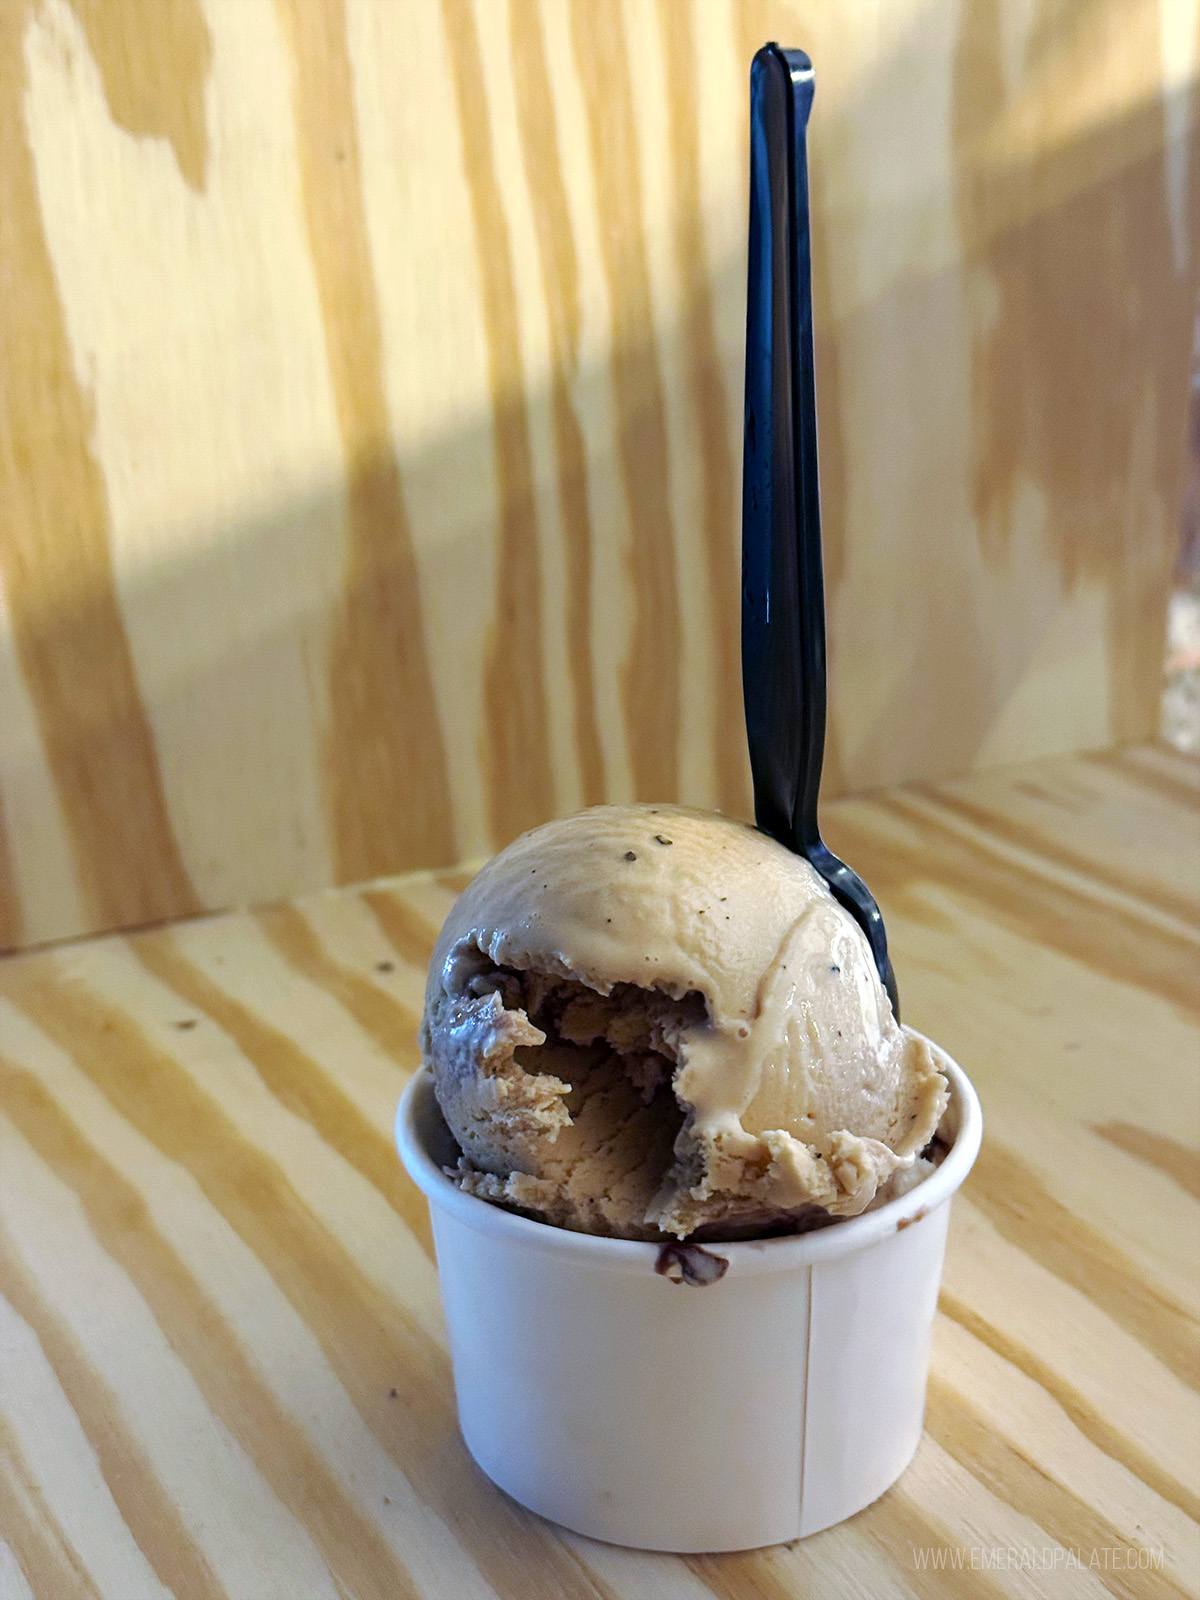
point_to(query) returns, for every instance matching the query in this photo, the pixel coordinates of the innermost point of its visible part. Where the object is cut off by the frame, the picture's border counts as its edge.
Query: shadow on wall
(1002, 365)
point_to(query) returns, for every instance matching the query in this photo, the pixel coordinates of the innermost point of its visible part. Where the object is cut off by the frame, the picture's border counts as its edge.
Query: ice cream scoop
(649, 1021)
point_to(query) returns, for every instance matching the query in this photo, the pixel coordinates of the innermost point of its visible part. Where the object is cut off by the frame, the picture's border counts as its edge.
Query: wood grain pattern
(68, 632)
(560, 285)
(651, 688)
(369, 434)
(390, 800)
(519, 774)
(224, 1370)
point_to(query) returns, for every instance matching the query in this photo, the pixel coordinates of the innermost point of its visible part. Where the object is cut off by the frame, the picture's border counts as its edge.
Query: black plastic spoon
(783, 594)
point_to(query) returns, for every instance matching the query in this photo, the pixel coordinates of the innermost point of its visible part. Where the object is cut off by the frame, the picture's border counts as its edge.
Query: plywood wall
(370, 401)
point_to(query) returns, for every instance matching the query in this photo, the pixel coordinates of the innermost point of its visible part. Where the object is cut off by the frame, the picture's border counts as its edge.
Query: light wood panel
(222, 1360)
(369, 426)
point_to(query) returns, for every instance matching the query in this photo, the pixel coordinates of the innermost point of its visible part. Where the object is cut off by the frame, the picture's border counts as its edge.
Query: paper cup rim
(778, 1253)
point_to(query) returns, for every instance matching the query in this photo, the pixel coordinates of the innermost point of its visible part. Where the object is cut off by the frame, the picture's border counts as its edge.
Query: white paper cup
(759, 1408)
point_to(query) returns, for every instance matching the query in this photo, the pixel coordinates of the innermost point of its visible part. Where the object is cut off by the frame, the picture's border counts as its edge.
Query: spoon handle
(783, 583)
(783, 606)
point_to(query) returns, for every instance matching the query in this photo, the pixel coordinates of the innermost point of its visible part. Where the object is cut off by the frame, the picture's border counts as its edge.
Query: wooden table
(223, 1364)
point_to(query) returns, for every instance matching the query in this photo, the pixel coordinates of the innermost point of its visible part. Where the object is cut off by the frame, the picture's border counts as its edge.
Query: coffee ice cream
(652, 1022)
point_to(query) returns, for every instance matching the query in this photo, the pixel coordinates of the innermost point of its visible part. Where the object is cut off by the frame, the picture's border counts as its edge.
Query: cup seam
(807, 1395)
